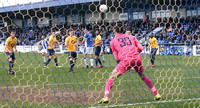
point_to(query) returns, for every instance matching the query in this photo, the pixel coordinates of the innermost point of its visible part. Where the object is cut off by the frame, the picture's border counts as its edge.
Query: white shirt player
(88, 44)
(44, 45)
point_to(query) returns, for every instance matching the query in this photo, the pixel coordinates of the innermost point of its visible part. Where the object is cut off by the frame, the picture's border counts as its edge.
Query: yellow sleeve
(66, 40)
(50, 39)
(75, 40)
(7, 41)
(156, 43)
(149, 44)
(15, 40)
(99, 37)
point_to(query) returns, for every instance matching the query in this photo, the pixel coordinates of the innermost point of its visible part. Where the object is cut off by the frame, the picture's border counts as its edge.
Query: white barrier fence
(195, 49)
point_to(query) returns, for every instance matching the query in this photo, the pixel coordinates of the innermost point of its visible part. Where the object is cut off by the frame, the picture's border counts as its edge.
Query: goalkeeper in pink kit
(126, 50)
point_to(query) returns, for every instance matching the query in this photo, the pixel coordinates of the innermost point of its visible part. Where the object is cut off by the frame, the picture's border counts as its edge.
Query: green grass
(175, 77)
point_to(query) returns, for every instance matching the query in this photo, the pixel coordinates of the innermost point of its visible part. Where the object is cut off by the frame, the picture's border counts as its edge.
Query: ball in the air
(103, 8)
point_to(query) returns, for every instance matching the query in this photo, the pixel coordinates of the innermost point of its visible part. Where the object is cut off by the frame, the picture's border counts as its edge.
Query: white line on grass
(145, 103)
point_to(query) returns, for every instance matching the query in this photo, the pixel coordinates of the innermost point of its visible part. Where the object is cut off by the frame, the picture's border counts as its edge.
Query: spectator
(181, 52)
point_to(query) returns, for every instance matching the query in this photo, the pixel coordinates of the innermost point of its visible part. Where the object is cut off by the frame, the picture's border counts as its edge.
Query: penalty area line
(147, 103)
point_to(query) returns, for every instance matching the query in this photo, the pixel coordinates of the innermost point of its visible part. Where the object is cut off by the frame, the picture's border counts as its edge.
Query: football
(103, 8)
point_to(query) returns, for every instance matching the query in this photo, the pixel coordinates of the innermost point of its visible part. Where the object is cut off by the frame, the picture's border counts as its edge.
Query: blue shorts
(10, 55)
(51, 52)
(153, 51)
(72, 55)
(97, 50)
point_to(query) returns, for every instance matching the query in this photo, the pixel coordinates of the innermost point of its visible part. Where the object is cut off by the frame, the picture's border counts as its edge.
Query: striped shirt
(44, 44)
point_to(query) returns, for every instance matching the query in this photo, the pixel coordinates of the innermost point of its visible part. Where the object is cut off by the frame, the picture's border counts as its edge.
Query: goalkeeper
(126, 49)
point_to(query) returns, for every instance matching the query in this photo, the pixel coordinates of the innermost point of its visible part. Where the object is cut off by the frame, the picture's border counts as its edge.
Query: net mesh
(175, 24)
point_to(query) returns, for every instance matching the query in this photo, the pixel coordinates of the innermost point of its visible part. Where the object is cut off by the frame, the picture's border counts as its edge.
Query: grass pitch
(177, 79)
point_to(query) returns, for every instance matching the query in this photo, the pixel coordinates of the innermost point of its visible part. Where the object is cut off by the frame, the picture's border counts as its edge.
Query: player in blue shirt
(88, 39)
(44, 47)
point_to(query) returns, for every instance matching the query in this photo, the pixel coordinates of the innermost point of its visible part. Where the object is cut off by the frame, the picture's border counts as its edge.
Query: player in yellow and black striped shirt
(154, 47)
(10, 45)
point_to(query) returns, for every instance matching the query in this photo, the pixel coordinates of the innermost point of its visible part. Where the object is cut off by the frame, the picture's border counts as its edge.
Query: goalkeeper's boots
(157, 97)
(58, 66)
(103, 100)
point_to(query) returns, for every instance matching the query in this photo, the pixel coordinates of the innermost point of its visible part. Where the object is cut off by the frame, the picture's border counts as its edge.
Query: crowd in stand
(183, 30)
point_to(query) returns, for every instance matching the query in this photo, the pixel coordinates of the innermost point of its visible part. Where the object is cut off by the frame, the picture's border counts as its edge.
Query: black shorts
(51, 52)
(97, 50)
(72, 55)
(153, 51)
(10, 55)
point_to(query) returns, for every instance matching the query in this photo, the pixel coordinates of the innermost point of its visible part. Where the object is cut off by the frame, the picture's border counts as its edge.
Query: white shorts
(44, 50)
(102, 49)
(88, 50)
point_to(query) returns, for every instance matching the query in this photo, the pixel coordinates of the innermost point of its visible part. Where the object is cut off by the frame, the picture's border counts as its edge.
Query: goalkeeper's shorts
(127, 64)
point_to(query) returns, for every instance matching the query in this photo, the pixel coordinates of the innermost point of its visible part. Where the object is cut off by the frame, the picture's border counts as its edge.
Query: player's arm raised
(156, 44)
(148, 46)
(38, 43)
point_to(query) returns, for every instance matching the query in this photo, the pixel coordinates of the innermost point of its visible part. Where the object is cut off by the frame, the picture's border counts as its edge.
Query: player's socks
(43, 58)
(55, 59)
(48, 61)
(103, 57)
(71, 65)
(150, 84)
(99, 61)
(108, 87)
(96, 61)
(91, 61)
(85, 60)
(152, 62)
(10, 66)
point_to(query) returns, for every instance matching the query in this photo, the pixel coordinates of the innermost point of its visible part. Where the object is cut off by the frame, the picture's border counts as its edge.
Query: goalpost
(176, 75)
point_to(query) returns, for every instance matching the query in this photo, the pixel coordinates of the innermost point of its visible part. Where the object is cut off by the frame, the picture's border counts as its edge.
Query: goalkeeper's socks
(96, 61)
(91, 61)
(108, 87)
(55, 59)
(43, 58)
(48, 61)
(150, 84)
(85, 60)
(10, 66)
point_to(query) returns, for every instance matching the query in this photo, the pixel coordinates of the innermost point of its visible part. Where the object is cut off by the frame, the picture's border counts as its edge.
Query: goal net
(176, 74)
